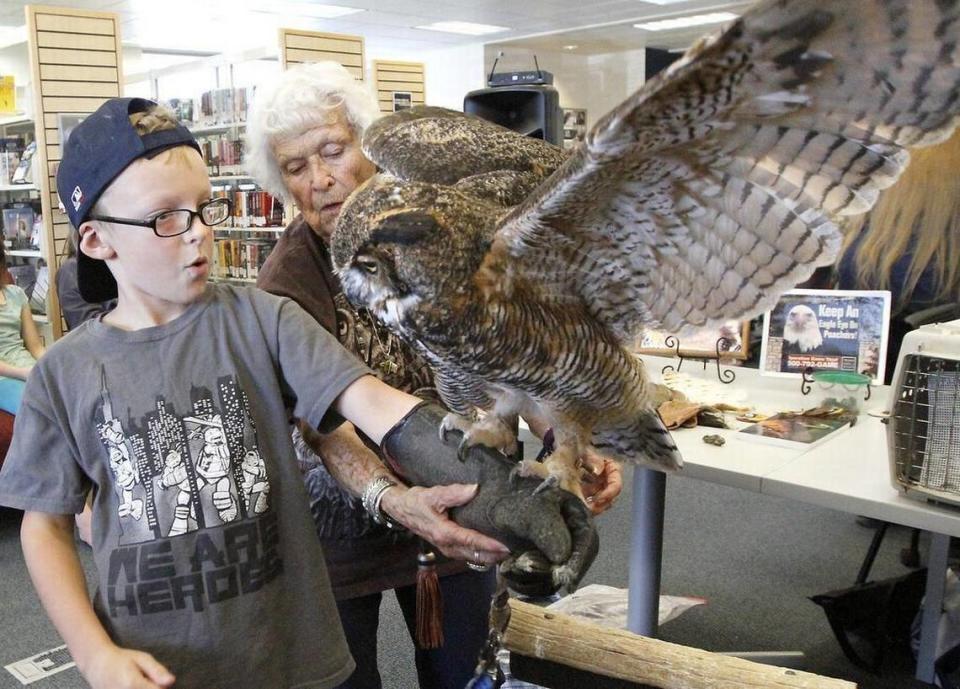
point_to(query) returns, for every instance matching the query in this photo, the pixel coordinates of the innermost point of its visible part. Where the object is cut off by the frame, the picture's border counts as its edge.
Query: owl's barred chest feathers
(552, 349)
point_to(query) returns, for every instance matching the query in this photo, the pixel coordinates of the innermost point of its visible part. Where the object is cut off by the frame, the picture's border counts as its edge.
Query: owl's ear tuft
(406, 227)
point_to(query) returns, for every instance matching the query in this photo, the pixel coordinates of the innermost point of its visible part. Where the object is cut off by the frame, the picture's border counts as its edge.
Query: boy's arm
(391, 405)
(373, 406)
(514, 511)
(422, 510)
(51, 556)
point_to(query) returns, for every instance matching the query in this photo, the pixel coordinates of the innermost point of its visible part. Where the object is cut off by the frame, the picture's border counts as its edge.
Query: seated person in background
(910, 242)
(74, 308)
(20, 344)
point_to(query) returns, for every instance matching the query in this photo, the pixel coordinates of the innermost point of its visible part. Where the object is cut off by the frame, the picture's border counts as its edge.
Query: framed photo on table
(827, 330)
(732, 340)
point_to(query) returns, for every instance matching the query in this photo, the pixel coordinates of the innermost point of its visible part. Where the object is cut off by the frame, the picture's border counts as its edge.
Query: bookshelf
(242, 281)
(21, 219)
(211, 96)
(399, 83)
(15, 121)
(76, 64)
(200, 130)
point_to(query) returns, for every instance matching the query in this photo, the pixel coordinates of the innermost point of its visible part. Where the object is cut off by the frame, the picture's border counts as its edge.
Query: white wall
(14, 60)
(612, 77)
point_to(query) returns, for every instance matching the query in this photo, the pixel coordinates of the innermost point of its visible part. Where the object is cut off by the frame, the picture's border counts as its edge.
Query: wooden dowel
(538, 633)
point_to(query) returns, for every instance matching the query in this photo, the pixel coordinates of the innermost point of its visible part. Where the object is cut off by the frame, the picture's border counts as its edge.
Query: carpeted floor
(755, 558)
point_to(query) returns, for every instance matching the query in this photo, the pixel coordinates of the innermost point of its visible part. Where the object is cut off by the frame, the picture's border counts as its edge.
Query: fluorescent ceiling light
(12, 35)
(664, 2)
(570, 47)
(684, 22)
(309, 9)
(468, 28)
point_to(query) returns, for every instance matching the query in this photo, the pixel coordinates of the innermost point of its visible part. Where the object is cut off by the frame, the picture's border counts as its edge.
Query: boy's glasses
(176, 222)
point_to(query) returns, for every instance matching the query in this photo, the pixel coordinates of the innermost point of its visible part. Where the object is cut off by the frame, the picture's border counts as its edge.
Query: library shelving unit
(211, 96)
(21, 204)
(399, 84)
(75, 63)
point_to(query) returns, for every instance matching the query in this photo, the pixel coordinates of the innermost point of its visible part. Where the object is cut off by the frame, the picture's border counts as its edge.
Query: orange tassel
(429, 603)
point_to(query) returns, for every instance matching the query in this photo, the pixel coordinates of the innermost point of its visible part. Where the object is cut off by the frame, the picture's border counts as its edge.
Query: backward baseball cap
(101, 147)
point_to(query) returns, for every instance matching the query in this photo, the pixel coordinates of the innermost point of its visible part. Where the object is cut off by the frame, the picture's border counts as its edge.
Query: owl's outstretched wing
(715, 187)
(440, 146)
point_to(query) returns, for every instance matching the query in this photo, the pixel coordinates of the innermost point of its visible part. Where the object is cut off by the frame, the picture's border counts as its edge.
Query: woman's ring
(475, 564)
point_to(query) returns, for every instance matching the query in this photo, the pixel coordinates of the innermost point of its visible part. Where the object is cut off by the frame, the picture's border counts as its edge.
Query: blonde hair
(156, 119)
(920, 214)
(159, 118)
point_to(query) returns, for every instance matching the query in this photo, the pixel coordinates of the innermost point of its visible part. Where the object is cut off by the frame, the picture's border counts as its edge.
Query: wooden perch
(629, 660)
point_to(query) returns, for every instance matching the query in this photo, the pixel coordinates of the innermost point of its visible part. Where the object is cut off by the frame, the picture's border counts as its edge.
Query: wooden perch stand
(559, 651)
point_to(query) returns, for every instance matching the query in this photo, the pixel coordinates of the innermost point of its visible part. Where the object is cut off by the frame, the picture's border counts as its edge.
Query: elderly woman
(303, 144)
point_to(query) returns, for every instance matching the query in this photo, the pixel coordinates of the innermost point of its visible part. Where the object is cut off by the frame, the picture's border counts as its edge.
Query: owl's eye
(368, 264)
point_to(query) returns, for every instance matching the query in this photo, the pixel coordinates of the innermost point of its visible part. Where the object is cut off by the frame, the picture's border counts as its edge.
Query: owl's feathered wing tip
(645, 441)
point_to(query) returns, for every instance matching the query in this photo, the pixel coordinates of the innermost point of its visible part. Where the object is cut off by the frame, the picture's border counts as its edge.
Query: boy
(173, 409)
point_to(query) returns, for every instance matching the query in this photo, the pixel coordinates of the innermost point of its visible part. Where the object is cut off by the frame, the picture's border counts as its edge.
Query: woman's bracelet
(373, 497)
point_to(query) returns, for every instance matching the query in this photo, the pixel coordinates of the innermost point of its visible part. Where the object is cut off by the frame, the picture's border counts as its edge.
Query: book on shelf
(219, 106)
(11, 150)
(240, 258)
(221, 152)
(223, 105)
(252, 207)
(799, 431)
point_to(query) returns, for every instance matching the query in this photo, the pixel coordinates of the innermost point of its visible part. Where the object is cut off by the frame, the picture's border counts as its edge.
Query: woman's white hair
(300, 99)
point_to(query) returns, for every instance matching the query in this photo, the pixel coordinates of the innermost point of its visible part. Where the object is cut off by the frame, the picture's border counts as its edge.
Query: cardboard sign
(8, 95)
(827, 330)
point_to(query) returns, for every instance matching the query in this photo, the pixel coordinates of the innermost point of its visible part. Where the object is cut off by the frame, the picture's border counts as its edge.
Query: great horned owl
(522, 274)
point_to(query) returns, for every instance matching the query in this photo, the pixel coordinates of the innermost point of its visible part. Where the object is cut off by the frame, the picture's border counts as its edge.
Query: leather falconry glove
(550, 534)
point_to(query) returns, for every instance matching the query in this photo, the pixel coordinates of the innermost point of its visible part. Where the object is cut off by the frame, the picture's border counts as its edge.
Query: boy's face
(161, 274)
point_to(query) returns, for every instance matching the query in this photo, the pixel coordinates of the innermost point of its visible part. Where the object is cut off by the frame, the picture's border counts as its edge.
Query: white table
(849, 472)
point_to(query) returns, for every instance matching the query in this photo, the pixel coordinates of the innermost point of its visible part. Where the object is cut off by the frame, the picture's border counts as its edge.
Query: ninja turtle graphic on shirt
(174, 473)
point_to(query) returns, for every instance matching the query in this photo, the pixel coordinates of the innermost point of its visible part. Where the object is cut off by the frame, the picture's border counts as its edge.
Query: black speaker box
(530, 110)
(658, 60)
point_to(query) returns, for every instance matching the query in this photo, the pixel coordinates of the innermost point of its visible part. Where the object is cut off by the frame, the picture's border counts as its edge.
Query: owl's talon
(463, 448)
(551, 481)
(562, 577)
(513, 478)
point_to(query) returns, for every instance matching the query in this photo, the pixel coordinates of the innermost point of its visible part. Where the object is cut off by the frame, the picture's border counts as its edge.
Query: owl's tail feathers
(644, 441)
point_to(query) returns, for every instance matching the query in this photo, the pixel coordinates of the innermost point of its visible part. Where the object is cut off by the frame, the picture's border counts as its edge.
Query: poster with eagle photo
(827, 330)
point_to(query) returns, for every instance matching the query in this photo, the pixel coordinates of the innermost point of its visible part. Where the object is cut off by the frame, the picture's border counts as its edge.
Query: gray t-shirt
(205, 549)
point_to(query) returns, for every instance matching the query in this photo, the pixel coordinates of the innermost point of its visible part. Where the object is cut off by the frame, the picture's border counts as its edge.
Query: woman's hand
(424, 512)
(603, 482)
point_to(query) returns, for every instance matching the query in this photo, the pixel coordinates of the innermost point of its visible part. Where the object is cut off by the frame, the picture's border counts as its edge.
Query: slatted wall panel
(75, 59)
(403, 77)
(310, 46)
